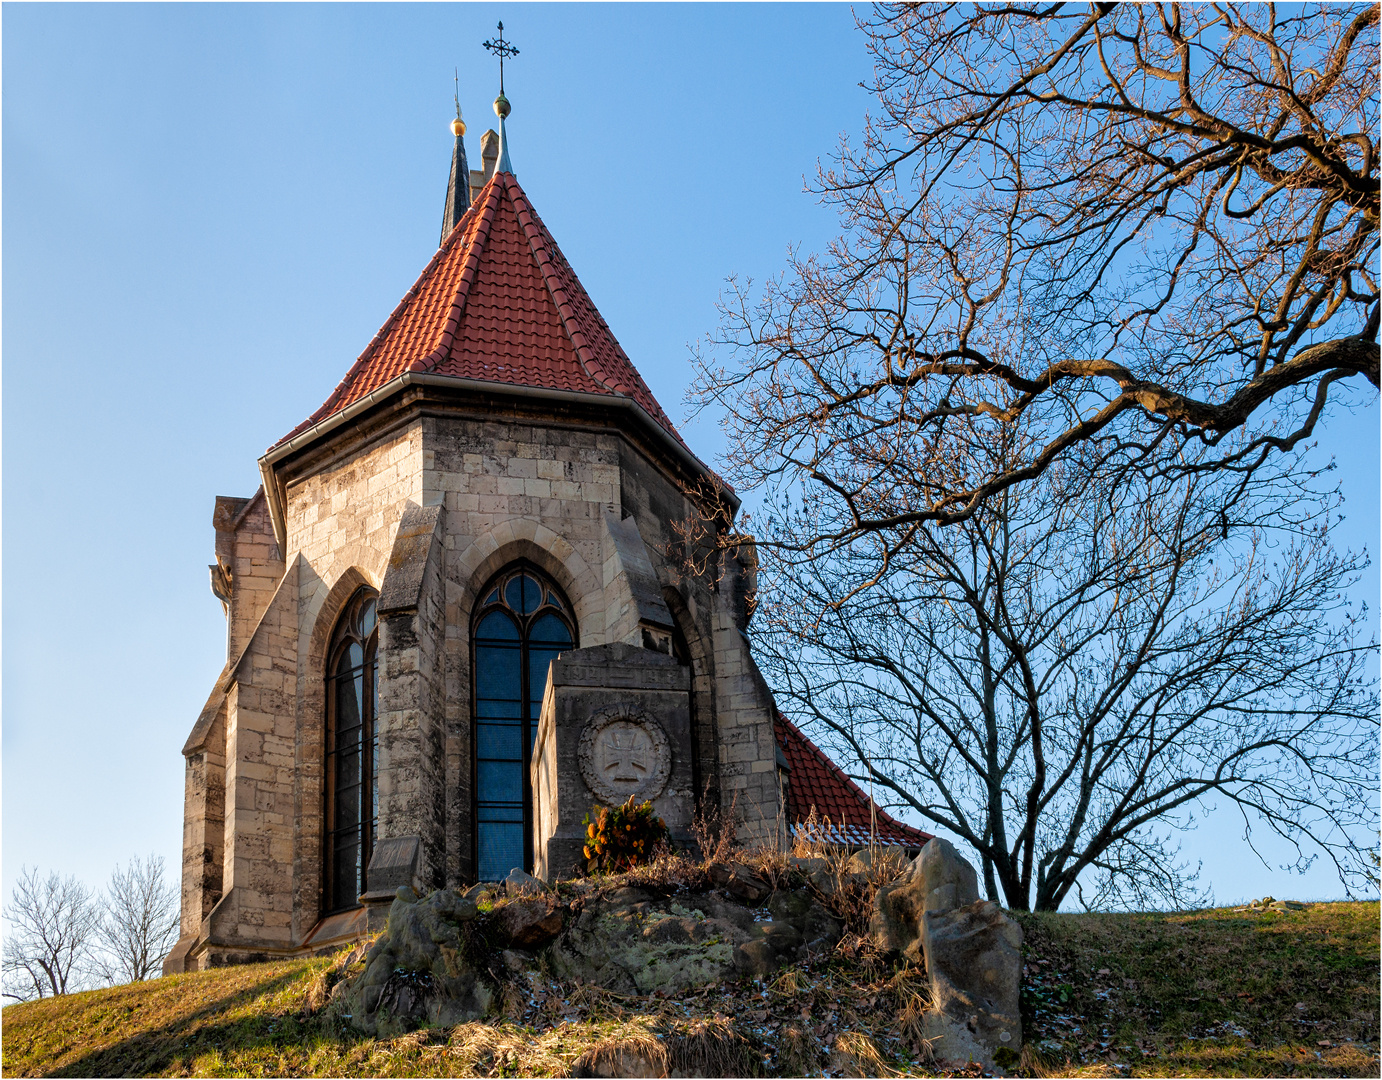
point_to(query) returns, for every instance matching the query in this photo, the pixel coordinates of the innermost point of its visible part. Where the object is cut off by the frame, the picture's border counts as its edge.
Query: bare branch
(1131, 237)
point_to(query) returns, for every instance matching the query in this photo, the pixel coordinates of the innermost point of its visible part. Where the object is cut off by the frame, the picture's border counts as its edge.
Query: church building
(475, 595)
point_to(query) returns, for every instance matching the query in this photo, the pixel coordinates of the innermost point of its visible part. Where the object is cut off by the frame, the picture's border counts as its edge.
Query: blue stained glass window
(550, 628)
(501, 849)
(498, 742)
(523, 594)
(352, 753)
(501, 781)
(519, 630)
(497, 626)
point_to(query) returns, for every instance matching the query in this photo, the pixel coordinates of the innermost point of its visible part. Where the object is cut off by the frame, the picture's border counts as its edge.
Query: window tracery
(520, 626)
(352, 752)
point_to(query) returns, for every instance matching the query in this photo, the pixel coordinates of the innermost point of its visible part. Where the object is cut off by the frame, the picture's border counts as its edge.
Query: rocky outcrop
(818, 871)
(636, 942)
(420, 969)
(974, 964)
(739, 881)
(972, 951)
(939, 879)
(440, 961)
(520, 883)
(799, 928)
(871, 862)
(527, 924)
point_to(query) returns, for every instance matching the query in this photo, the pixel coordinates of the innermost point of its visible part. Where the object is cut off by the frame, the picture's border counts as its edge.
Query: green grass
(1219, 992)
(1212, 993)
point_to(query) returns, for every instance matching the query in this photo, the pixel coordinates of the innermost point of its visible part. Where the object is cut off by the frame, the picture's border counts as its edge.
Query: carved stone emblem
(624, 751)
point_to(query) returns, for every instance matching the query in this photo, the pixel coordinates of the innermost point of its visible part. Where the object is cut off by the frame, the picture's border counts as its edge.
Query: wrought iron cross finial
(501, 49)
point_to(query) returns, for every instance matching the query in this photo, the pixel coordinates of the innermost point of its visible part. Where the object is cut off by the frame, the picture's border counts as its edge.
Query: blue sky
(208, 211)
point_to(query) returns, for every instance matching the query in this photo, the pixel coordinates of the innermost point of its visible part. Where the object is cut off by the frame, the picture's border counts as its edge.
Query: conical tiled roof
(497, 303)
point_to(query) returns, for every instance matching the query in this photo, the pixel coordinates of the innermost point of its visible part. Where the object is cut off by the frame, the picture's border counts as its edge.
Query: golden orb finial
(458, 127)
(501, 106)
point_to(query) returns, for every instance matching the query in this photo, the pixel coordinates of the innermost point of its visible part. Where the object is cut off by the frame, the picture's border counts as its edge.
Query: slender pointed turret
(458, 187)
(501, 110)
(502, 49)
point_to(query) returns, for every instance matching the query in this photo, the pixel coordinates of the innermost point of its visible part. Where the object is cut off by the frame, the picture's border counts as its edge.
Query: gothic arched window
(352, 751)
(521, 625)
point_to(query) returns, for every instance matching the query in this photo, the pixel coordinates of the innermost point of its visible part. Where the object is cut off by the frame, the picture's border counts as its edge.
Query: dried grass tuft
(799, 1052)
(340, 967)
(637, 1054)
(855, 1054)
(481, 1049)
(711, 1046)
(911, 990)
(716, 831)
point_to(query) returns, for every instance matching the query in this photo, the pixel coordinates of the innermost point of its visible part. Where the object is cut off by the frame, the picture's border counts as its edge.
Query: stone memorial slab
(615, 724)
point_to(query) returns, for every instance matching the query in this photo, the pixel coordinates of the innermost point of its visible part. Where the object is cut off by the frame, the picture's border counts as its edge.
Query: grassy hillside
(1212, 993)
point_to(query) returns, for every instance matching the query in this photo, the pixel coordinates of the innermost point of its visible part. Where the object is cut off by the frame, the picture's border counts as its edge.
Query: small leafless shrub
(52, 925)
(139, 924)
(716, 831)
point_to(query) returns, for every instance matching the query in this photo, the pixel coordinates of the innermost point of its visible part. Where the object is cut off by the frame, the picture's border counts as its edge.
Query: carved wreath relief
(624, 751)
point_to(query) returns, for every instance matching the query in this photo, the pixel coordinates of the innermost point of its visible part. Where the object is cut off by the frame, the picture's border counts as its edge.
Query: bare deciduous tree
(1133, 232)
(52, 923)
(1071, 673)
(140, 923)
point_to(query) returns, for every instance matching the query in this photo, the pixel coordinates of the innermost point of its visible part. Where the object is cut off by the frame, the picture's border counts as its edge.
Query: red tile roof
(817, 782)
(498, 303)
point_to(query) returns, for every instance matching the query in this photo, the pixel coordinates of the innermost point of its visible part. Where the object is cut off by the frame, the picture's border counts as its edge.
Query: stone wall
(512, 491)
(427, 511)
(732, 705)
(748, 751)
(342, 520)
(203, 819)
(255, 568)
(260, 744)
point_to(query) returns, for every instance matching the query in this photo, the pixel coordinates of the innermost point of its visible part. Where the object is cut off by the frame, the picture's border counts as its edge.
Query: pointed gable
(497, 303)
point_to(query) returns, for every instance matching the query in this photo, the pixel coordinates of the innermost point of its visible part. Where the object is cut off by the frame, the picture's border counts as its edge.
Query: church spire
(502, 49)
(501, 110)
(458, 186)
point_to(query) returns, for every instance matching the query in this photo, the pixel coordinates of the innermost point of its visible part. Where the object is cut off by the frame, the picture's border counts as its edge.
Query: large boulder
(817, 870)
(939, 879)
(739, 881)
(972, 951)
(896, 921)
(875, 863)
(419, 971)
(944, 877)
(527, 924)
(974, 964)
(521, 883)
